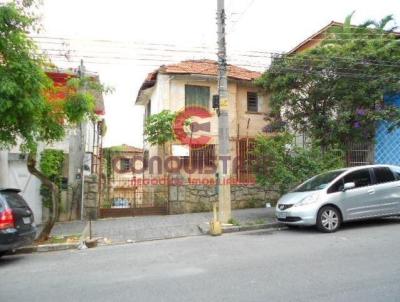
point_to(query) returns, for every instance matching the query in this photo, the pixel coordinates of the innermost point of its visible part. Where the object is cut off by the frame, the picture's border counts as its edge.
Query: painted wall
(169, 93)
(237, 94)
(387, 148)
(20, 178)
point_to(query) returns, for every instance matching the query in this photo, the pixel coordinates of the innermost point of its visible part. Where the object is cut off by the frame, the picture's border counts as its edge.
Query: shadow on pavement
(376, 222)
(9, 260)
(371, 223)
(258, 233)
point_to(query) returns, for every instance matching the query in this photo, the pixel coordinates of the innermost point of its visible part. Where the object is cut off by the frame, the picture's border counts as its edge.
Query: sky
(123, 40)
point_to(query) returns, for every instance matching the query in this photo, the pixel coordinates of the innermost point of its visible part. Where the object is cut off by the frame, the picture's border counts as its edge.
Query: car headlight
(310, 199)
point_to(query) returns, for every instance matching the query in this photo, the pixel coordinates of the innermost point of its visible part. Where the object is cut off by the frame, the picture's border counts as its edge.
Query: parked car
(329, 199)
(17, 227)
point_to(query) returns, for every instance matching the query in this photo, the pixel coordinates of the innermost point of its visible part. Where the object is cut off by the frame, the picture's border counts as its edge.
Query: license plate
(281, 215)
(26, 220)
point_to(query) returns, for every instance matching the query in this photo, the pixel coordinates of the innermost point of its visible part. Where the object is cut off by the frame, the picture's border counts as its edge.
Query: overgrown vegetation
(108, 156)
(234, 222)
(281, 165)
(27, 114)
(334, 92)
(159, 128)
(51, 165)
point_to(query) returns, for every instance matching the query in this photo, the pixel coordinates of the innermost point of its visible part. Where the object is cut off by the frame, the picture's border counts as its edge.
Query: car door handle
(371, 191)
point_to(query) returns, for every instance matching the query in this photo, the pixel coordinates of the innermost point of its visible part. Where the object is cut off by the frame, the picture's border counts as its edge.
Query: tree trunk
(55, 197)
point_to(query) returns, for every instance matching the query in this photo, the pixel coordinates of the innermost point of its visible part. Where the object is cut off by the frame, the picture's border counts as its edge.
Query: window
(318, 182)
(125, 164)
(148, 110)
(14, 200)
(246, 159)
(252, 102)
(200, 157)
(145, 159)
(383, 174)
(396, 171)
(197, 96)
(361, 178)
(336, 187)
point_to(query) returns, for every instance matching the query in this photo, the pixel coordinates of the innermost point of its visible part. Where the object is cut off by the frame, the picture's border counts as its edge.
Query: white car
(329, 199)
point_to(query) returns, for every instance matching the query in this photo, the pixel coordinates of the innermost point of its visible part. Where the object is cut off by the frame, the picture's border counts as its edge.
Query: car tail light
(7, 220)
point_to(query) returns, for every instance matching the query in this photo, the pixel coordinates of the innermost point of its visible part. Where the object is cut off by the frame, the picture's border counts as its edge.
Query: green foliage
(25, 111)
(159, 128)
(281, 165)
(51, 165)
(103, 129)
(334, 92)
(234, 221)
(107, 154)
(80, 101)
(22, 80)
(78, 106)
(201, 207)
(252, 203)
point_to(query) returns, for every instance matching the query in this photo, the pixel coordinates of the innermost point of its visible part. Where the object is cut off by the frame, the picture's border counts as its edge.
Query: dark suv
(17, 227)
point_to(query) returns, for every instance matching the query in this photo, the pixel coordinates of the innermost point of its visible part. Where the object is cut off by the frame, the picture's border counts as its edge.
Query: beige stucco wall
(238, 115)
(169, 93)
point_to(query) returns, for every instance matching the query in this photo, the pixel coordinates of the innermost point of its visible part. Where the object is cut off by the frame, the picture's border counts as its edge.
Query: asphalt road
(359, 263)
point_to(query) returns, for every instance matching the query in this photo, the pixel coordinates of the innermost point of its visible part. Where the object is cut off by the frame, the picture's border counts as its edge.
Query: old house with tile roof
(193, 83)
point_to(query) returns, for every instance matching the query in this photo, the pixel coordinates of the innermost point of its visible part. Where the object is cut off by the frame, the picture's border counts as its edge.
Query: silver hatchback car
(328, 199)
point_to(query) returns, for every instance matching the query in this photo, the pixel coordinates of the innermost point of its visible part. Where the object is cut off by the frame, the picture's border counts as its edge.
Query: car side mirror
(349, 186)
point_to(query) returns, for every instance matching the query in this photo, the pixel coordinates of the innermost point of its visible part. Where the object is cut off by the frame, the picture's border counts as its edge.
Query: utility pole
(4, 169)
(224, 161)
(81, 73)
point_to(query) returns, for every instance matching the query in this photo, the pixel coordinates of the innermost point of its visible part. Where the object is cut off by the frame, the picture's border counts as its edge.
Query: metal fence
(130, 197)
(359, 154)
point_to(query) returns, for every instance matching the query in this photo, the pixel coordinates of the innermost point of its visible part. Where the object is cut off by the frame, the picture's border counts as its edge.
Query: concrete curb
(46, 248)
(204, 231)
(241, 228)
(85, 234)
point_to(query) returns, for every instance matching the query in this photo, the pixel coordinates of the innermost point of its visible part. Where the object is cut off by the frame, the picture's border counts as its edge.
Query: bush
(51, 165)
(280, 165)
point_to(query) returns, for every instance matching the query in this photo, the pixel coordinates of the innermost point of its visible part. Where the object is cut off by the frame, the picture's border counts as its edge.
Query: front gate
(125, 197)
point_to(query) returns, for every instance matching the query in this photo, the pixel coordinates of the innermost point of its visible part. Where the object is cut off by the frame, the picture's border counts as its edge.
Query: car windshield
(318, 182)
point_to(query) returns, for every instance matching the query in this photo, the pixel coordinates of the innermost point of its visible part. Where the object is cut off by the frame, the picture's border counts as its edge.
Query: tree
(334, 92)
(77, 106)
(159, 128)
(280, 165)
(27, 116)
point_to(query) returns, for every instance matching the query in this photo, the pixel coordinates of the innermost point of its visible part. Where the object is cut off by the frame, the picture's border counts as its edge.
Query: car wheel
(329, 219)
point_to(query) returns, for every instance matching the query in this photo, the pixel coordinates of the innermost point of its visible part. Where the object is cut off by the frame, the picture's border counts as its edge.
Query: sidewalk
(143, 228)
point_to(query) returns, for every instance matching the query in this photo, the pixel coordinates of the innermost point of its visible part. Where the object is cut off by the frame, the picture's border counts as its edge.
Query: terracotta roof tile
(126, 148)
(201, 67)
(209, 67)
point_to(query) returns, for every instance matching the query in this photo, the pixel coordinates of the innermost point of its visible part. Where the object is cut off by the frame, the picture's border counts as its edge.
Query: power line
(234, 57)
(253, 54)
(235, 23)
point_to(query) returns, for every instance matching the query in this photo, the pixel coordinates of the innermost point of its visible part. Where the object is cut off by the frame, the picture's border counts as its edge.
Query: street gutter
(272, 226)
(277, 226)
